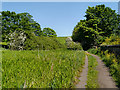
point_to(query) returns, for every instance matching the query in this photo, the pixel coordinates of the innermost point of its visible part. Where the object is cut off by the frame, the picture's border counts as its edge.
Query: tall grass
(43, 69)
(92, 77)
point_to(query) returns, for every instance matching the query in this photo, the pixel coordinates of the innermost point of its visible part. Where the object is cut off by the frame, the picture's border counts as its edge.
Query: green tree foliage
(22, 32)
(0, 26)
(22, 21)
(112, 40)
(7, 23)
(118, 31)
(87, 36)
(100, 23)
(49, 32)
(107, 19)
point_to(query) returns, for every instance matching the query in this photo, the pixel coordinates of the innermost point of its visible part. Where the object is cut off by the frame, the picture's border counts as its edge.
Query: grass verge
(92, 77)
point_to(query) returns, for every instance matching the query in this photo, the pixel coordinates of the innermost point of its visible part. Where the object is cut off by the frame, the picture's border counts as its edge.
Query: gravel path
(83, 77)
(104, 78)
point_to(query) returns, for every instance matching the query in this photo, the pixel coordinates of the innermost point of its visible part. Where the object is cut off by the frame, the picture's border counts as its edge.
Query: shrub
(73, 45)
(42, 43)
(16, 40)
(112, 40)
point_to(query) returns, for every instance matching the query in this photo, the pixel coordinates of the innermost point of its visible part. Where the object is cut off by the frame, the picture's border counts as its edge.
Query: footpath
(104, 78)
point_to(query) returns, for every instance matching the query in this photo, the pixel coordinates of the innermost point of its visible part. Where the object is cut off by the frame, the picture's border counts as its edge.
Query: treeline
(101, 22)
(22, 22)
(21, 32)
(20, 29)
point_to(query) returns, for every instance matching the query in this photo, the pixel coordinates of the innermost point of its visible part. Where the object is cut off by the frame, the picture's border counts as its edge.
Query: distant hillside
(62, 40)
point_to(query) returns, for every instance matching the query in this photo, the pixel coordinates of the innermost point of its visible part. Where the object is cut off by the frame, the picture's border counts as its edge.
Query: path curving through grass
(104, 78)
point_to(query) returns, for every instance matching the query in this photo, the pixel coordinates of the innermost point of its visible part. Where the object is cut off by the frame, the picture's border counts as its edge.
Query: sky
(59, 16)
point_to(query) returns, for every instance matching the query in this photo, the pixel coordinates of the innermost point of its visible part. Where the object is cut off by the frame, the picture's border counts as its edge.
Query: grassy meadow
(41, 69)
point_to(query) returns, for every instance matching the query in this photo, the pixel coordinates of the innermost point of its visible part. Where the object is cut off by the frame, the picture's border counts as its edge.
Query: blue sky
(60, 16)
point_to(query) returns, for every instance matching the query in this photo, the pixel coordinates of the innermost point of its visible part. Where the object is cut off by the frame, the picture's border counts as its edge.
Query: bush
(16, 40)
(94, 51)
(62, 40)
(112, 40)
(73, 45)
(42, 43)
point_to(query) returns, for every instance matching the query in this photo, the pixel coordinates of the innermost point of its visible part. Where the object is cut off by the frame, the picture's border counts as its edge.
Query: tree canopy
(49, 32)
(18, 30)
(100, 22)
(18, 22)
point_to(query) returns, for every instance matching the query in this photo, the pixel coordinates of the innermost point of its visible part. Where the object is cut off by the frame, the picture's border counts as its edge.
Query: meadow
(41, 69)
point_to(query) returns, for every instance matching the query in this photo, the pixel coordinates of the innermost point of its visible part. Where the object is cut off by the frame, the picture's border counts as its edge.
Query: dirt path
(104, 78)
(83, 77)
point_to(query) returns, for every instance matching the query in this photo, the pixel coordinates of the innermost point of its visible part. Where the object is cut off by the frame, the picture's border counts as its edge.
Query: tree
(107, 19)
(100, 23)
(0, 26)
(118, 31)
(49, 32)
(38, 31)
(7, 23)
(85, 35)
(22, 21)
